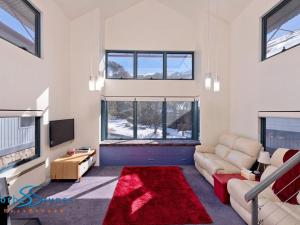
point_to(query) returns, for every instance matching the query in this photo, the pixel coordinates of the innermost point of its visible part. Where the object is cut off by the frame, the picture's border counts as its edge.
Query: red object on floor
(281, 188)
(154, 196)
(220, 185)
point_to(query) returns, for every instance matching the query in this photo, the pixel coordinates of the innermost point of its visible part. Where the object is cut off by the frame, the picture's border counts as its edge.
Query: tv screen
(61, 131)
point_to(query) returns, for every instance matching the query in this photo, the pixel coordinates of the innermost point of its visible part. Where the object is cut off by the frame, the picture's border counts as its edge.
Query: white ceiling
(226, 9)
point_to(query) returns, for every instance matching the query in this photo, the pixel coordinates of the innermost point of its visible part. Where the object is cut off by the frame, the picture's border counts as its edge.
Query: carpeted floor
(92, 195)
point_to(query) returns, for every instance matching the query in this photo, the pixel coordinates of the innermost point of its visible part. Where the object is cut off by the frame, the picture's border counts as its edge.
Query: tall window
(19, 140)
(20, 25)
(278, 132)
(281, 28)
(179, 120)
(149, 65)
(120, 120)
(150, 120)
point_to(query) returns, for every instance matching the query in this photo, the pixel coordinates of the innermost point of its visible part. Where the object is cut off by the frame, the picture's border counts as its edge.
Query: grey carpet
(92, 195)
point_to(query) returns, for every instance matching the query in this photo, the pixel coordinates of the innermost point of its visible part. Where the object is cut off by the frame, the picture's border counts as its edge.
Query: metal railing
(252, 195)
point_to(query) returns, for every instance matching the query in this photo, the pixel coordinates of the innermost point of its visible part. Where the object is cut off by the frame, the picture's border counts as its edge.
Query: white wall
(29, 82)
(151, 25)
(86, 53)
(256, 86)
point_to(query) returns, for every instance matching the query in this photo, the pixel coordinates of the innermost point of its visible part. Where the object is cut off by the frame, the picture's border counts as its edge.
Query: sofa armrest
(205, 149)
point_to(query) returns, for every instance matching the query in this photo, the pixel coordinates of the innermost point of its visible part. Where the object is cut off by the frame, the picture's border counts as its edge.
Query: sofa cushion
(268, 171)
(276, 161)
(228, 140)
(222, 150)
(202, 158)
(247, 146)
(214, 164)
(277, 157)
(221, 166)
(240, 159)
(280, 214)
(238, 188)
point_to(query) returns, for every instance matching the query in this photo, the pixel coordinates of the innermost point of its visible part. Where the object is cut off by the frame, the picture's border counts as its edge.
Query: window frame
(37, 147)
(135, 64)
(195, 122)
(264, 27)
(37, 41)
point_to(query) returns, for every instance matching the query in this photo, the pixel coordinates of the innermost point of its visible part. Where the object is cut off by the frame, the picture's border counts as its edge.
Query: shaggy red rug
(154, 196)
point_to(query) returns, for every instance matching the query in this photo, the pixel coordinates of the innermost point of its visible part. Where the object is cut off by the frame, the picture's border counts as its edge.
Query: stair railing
(252, 195)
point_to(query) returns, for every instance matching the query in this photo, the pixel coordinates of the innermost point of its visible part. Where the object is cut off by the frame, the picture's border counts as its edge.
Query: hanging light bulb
(99, 83)
(92, 83)
(208, 81)
(216, 84)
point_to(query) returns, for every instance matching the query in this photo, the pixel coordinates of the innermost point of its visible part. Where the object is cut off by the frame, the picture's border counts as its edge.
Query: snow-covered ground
(121, 128)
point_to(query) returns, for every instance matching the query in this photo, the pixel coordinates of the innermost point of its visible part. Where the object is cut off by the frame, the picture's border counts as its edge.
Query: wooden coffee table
(220, 185)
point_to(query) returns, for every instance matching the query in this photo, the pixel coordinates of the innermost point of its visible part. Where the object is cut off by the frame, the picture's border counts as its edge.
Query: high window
(281, 28)
(20, 25)
(128, 120)
(149, 65)
(19, 140)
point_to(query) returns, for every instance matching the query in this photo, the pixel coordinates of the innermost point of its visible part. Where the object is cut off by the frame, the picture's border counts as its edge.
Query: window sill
(149, 143)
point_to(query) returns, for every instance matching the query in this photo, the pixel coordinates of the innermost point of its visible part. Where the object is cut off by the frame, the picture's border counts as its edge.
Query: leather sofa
(230, 155)
(272, 211)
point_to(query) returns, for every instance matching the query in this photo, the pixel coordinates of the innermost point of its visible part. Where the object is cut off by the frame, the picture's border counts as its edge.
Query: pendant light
(91, 83)
(216, 84)
(208, 81)
(211, 81)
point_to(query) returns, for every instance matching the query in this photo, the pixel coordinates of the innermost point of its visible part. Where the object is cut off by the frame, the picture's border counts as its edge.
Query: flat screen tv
(61, 131)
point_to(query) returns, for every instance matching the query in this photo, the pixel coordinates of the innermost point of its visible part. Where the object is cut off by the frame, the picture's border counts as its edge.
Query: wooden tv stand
(72, 167)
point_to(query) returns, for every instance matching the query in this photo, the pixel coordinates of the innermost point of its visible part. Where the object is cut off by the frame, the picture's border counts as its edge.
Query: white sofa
(273, 211)
(230, 155)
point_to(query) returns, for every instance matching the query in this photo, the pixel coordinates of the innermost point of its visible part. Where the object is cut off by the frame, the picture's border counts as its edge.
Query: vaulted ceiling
(225, 9)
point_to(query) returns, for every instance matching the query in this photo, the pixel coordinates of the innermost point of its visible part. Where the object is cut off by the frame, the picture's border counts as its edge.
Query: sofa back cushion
(240, 159)
(222, 150)
(276, 161)
(228, 140)
(244, 152)
(248, 146)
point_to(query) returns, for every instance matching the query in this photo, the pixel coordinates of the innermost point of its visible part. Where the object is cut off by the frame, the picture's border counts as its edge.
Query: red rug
(154, 196)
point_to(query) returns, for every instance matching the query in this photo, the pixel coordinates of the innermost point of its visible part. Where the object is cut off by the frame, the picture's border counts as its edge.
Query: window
(149, 65)
(120, 120)
(179, 120)
(179, 66)
(280, 133)
(281, 28)
(20, 25)
(120, 65)
(149, 120)
(19, 140)
(26, 121)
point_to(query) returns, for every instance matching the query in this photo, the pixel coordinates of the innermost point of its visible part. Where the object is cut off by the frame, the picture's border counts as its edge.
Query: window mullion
(164, 119)
(135, 65)
(135, 119)
(164, 66)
